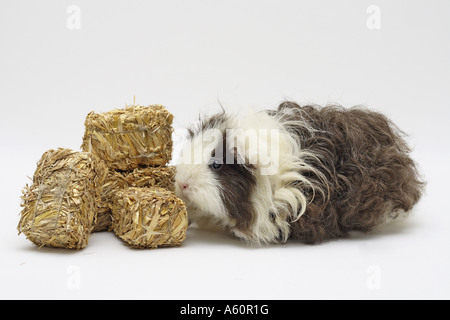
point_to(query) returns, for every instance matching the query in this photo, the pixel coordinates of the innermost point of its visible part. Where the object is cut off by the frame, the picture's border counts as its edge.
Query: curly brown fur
(369, 174)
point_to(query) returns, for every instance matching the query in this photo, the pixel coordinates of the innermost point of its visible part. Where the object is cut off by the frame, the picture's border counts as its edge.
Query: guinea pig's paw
(247, 237)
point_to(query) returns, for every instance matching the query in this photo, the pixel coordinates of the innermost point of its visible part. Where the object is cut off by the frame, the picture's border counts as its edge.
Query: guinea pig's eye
(216, 165)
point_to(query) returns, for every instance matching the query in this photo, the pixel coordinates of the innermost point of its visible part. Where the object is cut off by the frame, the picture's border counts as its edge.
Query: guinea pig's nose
(183, 186)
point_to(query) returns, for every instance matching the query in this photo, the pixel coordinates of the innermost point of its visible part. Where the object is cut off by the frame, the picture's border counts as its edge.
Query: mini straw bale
(131, 137)
(116, 180)
(149, 217)
(163, 177)
(60, 206)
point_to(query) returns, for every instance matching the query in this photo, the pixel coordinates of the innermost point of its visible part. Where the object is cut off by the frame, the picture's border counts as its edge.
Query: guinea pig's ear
(257, 150)
(237, 154)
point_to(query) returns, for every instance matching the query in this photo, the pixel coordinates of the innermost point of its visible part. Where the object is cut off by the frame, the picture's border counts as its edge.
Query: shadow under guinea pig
(198, 236)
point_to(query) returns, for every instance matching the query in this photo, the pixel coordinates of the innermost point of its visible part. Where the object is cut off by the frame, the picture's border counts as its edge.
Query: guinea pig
(299, 172)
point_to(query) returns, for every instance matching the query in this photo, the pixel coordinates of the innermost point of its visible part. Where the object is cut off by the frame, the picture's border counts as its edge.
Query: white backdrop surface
(60, 60)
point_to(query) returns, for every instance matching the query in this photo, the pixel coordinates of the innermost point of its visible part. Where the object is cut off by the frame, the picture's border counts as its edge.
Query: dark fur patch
(365, 161)
(237, 183)
(212, 122)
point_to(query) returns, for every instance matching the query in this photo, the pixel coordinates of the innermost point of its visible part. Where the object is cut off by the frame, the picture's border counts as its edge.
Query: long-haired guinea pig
(299, 172)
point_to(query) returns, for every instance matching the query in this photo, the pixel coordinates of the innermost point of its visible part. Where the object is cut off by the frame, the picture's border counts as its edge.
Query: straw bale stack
(149, 217)
(60, 206)
(131, 137)
(120, 182)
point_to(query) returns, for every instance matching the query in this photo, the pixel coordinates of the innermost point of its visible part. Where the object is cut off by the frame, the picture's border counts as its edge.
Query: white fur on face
(203, 190)
(196, 184)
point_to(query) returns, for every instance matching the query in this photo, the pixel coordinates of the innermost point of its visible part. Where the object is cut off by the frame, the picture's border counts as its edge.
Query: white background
(189, 56)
